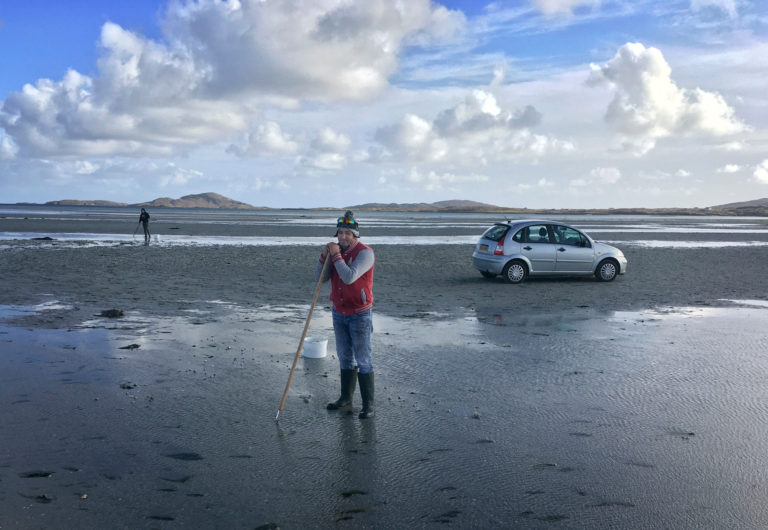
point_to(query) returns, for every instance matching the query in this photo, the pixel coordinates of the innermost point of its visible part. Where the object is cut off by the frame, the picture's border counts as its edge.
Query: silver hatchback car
(534, 247)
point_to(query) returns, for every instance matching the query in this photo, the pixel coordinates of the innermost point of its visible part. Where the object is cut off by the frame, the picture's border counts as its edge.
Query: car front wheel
(515, 271)
(607, 270)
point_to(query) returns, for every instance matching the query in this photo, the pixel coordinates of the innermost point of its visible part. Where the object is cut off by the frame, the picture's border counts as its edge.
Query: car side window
(537, 234)
(569, 236)
(558, 231)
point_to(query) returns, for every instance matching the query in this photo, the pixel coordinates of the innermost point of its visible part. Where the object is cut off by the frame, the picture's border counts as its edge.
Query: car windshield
(496, 232)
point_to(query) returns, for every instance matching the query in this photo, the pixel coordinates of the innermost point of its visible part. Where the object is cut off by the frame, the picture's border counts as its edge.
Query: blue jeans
(353, 340)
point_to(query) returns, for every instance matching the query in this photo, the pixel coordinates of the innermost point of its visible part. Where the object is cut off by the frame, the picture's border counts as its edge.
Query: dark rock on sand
(185, 456)
(36, 474)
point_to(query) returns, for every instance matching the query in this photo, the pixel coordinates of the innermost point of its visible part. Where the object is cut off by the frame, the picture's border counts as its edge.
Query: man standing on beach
(351, 275)
(144, 220)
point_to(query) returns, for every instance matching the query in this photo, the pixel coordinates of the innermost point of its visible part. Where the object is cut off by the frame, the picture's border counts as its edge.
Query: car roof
(521, 222)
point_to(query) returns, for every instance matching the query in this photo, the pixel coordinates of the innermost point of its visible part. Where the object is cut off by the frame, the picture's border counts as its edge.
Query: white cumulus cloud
(266, 139)
(218, 61)
(177, 176)
(7, 149)
(476, 130)
(84, 167)
(329, 141)
(598, 177)
(761, 172)
(606, 175)
(729, 168)
(434, 181)
(549, 7)
(545, 183)
(329, 161)
(648, 105)
(731, 146)
(327, 150)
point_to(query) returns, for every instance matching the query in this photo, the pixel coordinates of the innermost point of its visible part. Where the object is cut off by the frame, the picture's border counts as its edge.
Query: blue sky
(308, 103)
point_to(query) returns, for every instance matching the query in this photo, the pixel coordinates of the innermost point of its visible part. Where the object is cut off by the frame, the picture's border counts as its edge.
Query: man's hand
(331, 249)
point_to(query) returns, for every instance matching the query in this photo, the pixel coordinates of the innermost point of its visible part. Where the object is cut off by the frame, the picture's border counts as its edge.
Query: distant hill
(743, 204)
(73, 202)
(200, 200)
(757, 207)
(441, 206)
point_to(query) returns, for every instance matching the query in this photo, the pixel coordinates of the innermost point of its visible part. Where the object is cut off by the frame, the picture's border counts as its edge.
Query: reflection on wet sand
(494, 419)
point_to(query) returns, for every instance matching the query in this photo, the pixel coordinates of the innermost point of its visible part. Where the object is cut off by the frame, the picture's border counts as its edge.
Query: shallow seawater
(576, 419)
(55, 228)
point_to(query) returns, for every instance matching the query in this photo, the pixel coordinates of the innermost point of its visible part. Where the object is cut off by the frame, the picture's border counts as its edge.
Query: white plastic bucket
(314, 347)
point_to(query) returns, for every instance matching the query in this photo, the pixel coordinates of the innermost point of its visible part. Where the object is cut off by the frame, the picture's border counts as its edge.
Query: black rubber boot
(366, 391)
(348, 383)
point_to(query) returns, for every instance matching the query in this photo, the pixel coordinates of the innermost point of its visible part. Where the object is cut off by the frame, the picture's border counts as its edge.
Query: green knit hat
(348, 222)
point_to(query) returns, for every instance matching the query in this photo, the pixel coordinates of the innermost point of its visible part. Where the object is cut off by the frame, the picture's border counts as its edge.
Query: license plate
(484, 248)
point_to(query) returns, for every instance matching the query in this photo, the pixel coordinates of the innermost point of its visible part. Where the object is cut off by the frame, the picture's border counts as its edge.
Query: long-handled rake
(303, 335)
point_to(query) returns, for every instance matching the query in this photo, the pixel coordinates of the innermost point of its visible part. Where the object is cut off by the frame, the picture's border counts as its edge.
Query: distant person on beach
(144, 220)
(351, 275)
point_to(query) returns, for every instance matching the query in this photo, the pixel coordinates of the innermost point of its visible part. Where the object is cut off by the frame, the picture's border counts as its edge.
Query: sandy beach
(160, 282)
(558, 403)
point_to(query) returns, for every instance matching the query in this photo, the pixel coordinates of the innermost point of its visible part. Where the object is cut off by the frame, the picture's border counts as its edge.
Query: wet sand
(553, 404)
(409, 279)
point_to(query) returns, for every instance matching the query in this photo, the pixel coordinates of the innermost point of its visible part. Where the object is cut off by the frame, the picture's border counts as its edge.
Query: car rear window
(496, 232)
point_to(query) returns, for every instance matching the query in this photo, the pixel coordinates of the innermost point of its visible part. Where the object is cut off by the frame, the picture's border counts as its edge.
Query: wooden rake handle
(303, 335)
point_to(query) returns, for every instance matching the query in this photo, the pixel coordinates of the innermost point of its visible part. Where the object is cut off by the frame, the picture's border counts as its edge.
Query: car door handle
(561, 249)
(527, 248)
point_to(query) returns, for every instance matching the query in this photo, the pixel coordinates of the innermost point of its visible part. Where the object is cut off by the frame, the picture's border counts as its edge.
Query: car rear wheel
(487, 274)
(515, 271)
(607, 270)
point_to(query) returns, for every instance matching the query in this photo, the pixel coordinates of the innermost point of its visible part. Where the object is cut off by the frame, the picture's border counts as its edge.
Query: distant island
(755, 208)
(200, 200)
